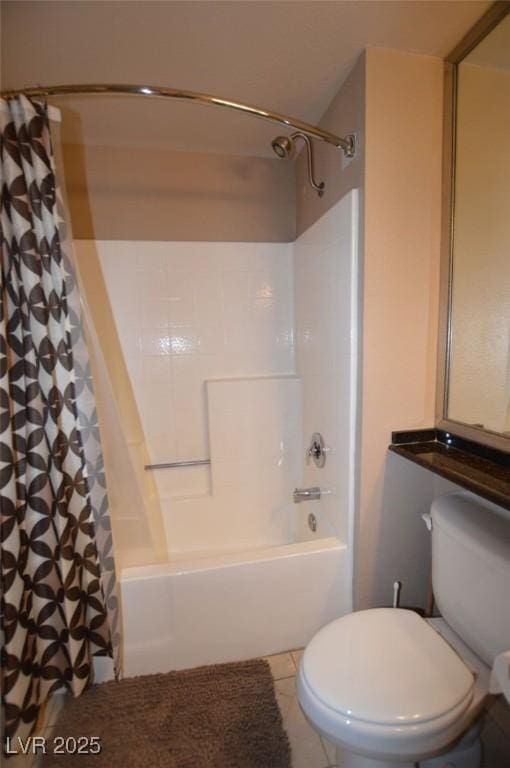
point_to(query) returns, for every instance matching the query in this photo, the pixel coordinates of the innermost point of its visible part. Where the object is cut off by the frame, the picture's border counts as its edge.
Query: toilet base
(467, 753)
(350, 760)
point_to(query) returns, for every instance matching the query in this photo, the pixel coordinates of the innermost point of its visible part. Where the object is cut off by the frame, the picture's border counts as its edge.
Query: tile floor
(309, 750)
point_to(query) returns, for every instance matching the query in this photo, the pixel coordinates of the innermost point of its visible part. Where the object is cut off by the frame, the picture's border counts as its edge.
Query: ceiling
(493, 50)
(288, 56)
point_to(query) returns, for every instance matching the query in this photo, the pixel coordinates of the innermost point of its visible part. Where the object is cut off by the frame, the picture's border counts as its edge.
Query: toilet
(393, 690)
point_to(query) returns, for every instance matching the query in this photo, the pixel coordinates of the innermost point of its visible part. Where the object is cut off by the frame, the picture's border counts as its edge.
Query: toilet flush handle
(427, 519)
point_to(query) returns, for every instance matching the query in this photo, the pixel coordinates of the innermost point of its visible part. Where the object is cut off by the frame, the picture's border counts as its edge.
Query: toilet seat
(383, 682)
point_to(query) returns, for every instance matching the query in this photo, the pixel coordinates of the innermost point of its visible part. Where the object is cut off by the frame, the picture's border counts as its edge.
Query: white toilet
(394, 690)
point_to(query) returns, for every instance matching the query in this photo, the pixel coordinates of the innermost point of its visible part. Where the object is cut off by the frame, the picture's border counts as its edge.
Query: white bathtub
(213, 609)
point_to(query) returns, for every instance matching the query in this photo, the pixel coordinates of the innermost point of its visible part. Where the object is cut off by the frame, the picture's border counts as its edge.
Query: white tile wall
(325, 273)
(257, 450)
(217, 319)
(187, 312)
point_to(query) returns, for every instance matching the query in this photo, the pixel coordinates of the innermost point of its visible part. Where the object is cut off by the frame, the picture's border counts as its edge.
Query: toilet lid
(385, 666)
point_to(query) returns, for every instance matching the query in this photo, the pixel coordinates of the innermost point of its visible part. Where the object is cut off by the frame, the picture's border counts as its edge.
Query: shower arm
(347, 144)
(319, 187)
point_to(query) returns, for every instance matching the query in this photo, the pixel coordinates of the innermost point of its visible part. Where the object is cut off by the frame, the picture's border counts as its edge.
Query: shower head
(285, 148)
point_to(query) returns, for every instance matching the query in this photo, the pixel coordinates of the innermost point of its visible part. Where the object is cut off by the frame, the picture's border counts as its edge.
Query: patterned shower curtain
(59, 603)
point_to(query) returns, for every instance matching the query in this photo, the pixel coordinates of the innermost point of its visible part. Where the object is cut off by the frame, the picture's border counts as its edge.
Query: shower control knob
(317, 450)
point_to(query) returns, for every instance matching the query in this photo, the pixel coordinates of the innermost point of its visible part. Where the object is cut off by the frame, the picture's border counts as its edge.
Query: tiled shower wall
(221, 369)
(188, 312)
(326, 322)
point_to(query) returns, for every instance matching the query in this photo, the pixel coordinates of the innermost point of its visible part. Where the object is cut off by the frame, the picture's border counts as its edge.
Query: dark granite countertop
(486, 474)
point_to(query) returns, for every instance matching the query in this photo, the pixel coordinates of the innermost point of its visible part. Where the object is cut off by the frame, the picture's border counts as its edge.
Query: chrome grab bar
(178, 464)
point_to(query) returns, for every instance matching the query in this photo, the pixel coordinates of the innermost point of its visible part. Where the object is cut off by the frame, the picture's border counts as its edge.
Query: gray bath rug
(221, 716)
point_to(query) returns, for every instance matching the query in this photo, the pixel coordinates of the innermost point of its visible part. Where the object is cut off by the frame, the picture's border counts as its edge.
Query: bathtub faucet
(306, 494)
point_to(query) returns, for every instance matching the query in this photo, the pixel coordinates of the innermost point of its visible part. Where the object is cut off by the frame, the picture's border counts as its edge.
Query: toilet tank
(471, 571)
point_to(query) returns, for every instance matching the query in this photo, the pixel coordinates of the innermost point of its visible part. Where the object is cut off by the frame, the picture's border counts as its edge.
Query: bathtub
(227, 607)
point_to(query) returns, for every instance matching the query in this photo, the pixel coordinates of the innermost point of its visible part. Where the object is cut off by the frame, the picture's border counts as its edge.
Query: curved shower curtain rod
(347, 144)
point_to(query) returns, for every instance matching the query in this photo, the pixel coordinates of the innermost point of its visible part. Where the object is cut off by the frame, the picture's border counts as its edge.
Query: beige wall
(345, 115)
(395, 101)
(124, 193)
(400, 297)
(479, 389)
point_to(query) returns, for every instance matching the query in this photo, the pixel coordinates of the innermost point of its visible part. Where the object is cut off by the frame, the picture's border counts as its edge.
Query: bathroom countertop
(486, 475)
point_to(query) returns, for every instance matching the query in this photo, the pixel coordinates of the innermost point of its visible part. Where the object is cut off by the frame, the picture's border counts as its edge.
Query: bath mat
(220, 716)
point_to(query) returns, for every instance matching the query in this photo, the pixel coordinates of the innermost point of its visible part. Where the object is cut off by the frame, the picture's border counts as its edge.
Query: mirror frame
(476, 34)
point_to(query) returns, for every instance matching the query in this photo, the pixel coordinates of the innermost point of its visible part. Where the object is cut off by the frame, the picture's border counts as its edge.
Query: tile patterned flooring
(309, 750)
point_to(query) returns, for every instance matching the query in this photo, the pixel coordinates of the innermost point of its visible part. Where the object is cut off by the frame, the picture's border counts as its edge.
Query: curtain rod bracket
(349, 149)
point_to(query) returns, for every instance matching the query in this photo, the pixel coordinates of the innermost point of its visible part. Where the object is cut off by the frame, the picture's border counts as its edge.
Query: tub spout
(306, 494)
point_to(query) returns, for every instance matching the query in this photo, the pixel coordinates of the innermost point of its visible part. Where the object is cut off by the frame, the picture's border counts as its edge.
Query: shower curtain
(59, 601)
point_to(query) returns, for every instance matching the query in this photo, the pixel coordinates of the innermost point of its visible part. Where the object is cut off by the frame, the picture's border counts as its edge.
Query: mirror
(477, 392)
